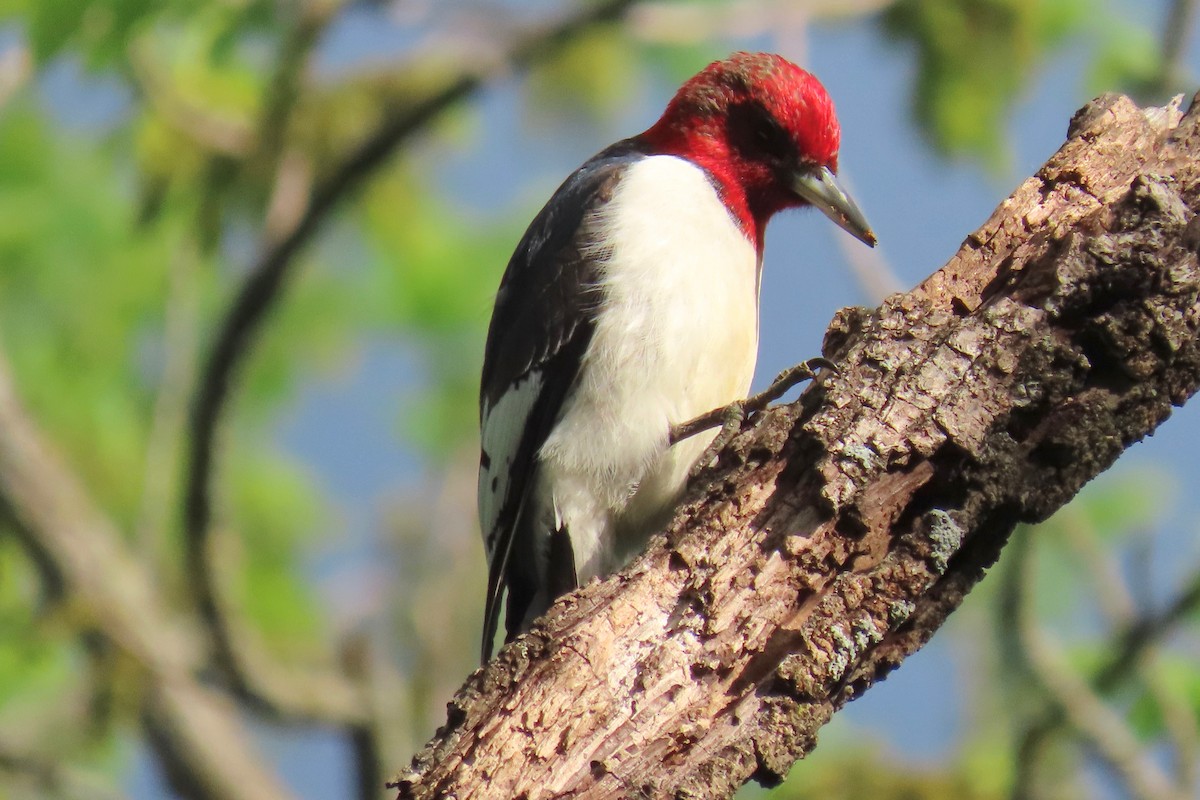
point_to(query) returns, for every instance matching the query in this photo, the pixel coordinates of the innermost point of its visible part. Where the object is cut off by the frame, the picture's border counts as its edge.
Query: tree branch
(262, 290)
(50, 776)
(1105, 731)
(169, 418)
(851, 523)
(201, 738)
(1179, 25)
(1127, 652)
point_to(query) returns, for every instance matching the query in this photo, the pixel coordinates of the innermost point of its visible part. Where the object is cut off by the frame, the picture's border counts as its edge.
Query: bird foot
(731, 417)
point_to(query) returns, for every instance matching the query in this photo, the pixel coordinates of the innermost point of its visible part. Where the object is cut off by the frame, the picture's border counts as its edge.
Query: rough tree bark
(837, 534)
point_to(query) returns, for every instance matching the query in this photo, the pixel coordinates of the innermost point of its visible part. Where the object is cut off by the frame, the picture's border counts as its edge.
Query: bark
(837, 534)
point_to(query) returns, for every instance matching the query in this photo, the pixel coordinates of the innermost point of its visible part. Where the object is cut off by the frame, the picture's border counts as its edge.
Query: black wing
(541, 326)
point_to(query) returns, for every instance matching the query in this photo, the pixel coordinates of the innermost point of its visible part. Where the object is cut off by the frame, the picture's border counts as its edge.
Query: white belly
(677, 336)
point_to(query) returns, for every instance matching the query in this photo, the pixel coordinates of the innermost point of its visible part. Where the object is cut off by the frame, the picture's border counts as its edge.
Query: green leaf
(1179, 682)
(591, 78)
(1128, 501)
(973, 59)
(276, 506)
(1128, 58)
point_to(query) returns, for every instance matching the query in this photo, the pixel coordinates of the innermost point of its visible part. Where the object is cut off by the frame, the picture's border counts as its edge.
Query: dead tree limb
(840, 531)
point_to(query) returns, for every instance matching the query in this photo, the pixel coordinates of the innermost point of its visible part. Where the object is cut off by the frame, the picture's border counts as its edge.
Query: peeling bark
(837, 533)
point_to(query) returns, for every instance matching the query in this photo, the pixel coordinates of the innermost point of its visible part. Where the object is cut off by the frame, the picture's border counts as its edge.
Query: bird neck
(749, 189)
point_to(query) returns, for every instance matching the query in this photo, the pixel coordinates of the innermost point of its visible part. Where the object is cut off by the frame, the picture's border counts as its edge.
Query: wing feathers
(540, 329)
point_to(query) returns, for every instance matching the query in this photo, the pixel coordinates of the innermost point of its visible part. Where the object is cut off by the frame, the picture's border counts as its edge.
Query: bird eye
(756, 132)
(774, 138)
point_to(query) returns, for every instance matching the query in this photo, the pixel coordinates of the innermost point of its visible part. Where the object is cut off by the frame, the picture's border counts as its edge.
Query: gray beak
(819, 187)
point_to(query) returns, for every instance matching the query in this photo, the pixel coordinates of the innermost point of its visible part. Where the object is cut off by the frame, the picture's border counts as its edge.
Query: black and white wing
(540, 329)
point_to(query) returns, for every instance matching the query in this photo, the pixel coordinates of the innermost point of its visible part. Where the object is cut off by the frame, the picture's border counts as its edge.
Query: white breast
(677, 336)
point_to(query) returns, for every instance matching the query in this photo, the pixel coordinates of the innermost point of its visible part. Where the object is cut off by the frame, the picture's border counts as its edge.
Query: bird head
(766, 131)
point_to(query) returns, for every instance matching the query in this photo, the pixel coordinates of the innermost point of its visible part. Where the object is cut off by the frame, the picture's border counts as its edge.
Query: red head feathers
(766, 131)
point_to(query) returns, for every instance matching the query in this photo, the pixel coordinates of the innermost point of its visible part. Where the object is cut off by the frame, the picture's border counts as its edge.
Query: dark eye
(771, 132)
(756, 132)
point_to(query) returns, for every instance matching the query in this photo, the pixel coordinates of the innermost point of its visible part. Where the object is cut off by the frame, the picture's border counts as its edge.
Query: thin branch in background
(1116, 597)
(263, 287)
(181, 318)
(293, 170)
(359, 664)
(15, 69)
(1126, 654)
(689, 23)
(203, 746)
(1146, 632)
(1112, 590)
(55, 516)
(434, 528)
(1075, 702)
(442, 534)
(200, 736)
(1181, 727)
(47, 773)
(282, 692)
(284, 88)
(1179, 26)
(289, 194)
(870, 268)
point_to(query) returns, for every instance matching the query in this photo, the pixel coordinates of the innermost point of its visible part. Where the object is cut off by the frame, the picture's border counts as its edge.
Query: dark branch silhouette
(262, 290)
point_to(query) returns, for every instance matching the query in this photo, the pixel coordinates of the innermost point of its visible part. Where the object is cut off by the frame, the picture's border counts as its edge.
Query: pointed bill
(820, 188)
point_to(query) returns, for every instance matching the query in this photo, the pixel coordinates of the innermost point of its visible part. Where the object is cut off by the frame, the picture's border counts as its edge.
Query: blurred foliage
(573, 85)
(122, 243)
(867, 774)
(976, 57)
(1128, 57)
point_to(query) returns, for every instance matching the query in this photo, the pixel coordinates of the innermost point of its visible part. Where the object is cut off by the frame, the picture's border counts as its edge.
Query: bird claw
(805, 370)
(784, 381)
(731, 417)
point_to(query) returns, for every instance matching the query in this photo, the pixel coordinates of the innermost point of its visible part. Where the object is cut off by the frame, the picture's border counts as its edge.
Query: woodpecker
(631, 306)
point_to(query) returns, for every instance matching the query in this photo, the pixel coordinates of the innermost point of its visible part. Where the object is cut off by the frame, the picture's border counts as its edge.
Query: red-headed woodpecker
(629, 307)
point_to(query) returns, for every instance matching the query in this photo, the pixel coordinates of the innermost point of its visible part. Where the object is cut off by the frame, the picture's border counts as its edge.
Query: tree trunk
(836, 534)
